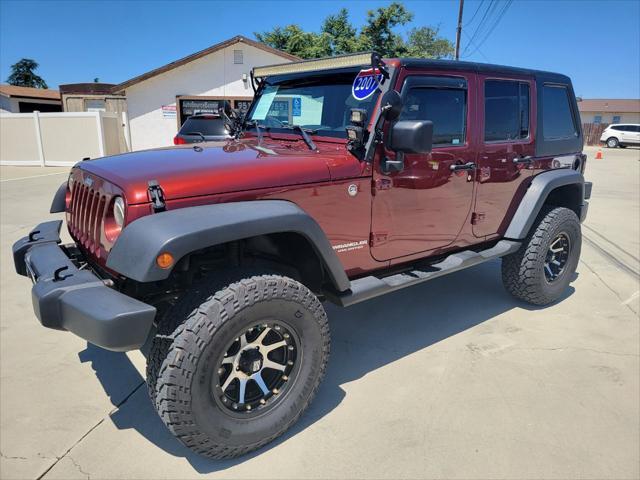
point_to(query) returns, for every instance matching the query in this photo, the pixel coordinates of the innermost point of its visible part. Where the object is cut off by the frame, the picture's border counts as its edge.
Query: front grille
(86, 215)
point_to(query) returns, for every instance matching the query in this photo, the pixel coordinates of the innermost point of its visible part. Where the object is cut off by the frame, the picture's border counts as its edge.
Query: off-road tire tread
(174, 376)
(520, 270)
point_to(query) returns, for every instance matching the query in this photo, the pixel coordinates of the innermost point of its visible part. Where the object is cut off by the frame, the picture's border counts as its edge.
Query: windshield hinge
(156, 195)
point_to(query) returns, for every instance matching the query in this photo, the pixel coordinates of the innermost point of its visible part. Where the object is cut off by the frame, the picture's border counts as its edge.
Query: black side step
(368, 287)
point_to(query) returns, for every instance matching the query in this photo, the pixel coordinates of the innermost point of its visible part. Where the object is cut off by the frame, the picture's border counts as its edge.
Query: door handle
(462, 166)
(527, 159)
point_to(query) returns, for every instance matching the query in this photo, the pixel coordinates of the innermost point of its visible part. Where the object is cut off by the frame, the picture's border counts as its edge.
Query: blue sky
(597, 43)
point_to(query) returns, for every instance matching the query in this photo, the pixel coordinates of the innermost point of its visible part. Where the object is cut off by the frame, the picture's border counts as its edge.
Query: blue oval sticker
(365, 84)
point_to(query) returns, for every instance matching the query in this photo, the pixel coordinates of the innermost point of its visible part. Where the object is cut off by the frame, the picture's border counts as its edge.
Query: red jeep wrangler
(349, 177)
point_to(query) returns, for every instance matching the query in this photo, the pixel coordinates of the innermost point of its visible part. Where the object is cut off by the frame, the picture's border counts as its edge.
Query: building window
(597, 119)
(95, 105)
(616, 119)
(237, 57)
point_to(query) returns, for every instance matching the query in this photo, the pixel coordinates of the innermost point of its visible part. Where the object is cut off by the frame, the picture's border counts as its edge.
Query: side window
(506, 110)
(445, 107)
(557, 119)
(635, 128)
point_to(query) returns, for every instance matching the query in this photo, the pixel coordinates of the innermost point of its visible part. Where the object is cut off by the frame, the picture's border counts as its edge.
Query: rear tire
(612, 142)
(540, 271)
(234, 334)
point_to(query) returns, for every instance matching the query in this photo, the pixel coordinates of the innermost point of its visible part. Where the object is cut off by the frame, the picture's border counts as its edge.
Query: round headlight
(118, 211)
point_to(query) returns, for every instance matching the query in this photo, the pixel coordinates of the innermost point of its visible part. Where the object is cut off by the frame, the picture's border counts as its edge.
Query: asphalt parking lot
(450, 379)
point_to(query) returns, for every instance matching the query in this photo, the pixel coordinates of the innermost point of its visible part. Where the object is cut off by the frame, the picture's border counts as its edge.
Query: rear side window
(557, 119)
(506, 110)
(445, 107)
(203, 125)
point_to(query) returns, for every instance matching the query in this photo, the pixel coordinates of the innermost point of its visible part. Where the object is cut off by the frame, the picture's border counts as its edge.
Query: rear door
(506, 149)
(425, 206)
(630, 134)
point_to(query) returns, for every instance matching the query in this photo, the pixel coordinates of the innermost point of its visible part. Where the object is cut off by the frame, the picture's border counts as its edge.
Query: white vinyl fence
(59, 138)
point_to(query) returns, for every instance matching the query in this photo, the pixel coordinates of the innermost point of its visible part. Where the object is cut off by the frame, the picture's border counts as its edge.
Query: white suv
(619, 135)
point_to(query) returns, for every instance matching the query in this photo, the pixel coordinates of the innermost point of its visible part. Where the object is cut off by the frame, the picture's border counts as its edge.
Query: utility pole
(459, 30)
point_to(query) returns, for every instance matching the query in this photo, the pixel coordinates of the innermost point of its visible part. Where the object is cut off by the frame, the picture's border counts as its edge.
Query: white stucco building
(158, 101)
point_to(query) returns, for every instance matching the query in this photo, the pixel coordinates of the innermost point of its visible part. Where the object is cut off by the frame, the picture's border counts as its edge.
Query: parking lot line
(32, 176)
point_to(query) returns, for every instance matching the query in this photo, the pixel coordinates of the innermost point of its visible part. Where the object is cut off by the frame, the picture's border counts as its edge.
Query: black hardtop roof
(481, 68)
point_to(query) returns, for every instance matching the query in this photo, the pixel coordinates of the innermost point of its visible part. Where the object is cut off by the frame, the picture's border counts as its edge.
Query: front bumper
(67, 298)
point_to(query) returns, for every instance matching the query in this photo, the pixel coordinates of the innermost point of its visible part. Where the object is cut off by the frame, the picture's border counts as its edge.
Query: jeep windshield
(318, 102)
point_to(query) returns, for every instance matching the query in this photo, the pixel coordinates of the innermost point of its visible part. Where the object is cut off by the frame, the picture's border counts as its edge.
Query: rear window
(506, 110)
(557, 119)
(203, 125)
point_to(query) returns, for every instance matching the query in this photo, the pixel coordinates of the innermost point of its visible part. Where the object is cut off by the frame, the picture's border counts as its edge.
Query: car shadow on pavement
(365, 337)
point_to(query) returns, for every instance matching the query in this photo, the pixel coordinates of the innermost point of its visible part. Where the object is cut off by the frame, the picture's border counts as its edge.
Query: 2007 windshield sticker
(365, 84)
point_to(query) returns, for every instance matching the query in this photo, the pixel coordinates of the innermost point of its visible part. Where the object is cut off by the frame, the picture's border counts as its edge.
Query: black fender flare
(536, 195)
(182, 231)
(59, 203)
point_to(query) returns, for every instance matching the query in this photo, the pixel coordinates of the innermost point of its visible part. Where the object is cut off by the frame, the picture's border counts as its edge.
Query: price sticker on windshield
(365, 83)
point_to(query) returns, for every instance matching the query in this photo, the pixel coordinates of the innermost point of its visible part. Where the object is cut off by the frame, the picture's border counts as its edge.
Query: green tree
(23, 74)
(341, 35)
(378, 33)
(338, 36)
(296, 41)
(424, 42)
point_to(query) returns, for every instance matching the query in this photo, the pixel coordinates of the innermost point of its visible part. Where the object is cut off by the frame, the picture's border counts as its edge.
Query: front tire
(242, 366)
(541, 270)
(612, 142)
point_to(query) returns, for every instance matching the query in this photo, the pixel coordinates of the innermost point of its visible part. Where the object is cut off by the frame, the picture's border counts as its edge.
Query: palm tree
(22, 74)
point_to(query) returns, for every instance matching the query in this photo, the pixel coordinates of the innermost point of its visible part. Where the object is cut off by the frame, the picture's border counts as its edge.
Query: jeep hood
(220, 167)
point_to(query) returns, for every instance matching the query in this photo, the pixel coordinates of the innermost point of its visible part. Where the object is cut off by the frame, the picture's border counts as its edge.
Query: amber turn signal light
(164, 260)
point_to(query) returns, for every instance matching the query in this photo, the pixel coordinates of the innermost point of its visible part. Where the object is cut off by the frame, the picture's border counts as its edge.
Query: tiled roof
(624, 105)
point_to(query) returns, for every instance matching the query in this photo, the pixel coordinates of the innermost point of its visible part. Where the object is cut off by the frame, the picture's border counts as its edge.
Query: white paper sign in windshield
(264, 104)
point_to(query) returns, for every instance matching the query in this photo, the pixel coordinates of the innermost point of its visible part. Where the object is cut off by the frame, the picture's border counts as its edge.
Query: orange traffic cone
(599, 155)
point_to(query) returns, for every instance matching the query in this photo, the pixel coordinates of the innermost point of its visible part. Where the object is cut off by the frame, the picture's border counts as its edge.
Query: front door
(506, 149)
(424, 207)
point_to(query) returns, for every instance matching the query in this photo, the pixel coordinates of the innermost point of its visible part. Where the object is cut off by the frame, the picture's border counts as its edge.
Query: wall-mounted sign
(169, 111)
(191, 107)
(242, 105)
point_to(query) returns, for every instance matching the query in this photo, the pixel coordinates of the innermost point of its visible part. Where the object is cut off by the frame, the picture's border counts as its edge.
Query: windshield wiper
(305, 134)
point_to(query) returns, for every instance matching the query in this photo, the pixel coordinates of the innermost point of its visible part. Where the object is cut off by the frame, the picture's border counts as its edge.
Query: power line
(479, 51)
(493, 26)
(490, 6)
(474, 14)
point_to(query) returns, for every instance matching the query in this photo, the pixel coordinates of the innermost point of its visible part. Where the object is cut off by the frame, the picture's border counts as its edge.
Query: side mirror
(411, 136)
(407, 136)
(391, 105)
